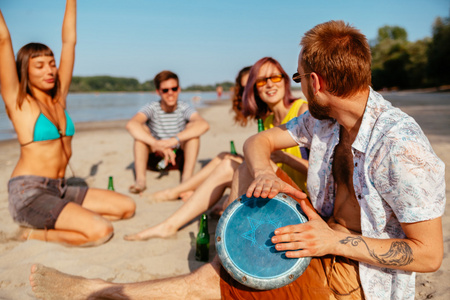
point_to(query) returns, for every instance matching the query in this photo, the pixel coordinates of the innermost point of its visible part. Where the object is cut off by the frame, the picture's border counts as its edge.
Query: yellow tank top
(298, 177)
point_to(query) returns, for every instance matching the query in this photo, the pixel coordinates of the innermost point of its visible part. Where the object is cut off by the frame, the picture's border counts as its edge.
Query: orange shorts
(327, 277)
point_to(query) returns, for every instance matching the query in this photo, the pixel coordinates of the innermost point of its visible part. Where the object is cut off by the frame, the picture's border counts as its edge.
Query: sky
(203, 41)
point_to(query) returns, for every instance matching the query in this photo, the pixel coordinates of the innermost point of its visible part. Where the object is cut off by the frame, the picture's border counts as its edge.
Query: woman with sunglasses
(34, 91)
(267, 95)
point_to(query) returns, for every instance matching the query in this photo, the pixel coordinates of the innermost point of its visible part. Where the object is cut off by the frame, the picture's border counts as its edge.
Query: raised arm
(9, 82)
(69, 39)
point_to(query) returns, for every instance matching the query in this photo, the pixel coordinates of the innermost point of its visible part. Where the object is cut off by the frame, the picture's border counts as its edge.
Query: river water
(89, 107)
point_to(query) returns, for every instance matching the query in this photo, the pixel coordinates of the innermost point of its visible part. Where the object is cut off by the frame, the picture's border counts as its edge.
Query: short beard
(318, 111)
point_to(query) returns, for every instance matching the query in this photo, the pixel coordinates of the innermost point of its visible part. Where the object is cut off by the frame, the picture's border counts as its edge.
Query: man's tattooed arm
(400, 254)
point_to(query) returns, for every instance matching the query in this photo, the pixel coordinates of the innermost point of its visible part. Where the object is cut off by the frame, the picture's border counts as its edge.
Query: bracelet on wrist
(178, 140)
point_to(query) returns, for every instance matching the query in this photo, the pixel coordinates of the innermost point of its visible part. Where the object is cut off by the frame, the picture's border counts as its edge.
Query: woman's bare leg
(190, 184)
(109, 204)
(206, 195)
(76, 226)
(89, 224)
(203, 283)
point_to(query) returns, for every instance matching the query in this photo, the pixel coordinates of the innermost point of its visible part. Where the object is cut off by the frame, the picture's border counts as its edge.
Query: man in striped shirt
(163, 126)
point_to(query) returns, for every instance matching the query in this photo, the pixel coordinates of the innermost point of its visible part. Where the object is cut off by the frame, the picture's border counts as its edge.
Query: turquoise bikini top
(45, 130)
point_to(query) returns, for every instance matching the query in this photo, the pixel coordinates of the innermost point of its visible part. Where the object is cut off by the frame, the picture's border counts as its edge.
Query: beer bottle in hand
(110, 184)
(202, 248)
(260, 125)
(162, 163)
(232, 148)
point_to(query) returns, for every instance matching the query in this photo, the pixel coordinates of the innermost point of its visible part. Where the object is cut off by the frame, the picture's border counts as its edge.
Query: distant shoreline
(225, 100)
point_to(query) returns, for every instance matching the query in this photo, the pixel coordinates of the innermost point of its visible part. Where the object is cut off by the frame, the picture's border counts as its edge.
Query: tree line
(122, 84)
(396, 64)
(400, 64)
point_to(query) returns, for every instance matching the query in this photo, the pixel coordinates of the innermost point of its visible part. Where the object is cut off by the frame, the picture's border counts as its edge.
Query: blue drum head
(243, 241)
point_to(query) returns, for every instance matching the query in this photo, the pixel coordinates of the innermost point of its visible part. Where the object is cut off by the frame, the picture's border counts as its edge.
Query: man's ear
(317, 83)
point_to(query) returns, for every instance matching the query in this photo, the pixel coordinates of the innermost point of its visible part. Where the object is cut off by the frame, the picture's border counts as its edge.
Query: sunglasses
(174, 89)
(298, 78)
(260, 82)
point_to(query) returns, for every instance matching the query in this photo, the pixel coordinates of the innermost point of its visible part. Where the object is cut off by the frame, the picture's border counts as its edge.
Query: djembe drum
(243, 241)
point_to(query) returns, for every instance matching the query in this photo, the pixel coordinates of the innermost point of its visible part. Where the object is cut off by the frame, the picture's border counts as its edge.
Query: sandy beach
(102, 149)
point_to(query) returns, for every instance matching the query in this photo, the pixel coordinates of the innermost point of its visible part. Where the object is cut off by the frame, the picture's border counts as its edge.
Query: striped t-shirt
(166, 125)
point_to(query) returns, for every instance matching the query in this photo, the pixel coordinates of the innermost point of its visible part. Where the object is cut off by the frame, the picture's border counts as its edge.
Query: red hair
(253, 106)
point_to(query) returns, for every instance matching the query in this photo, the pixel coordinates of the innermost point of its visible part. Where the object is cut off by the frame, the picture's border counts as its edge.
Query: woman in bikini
(267, 95)
(34, 91)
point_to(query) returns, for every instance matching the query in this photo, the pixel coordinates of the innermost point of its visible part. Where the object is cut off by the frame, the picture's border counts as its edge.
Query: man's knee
(141, 148)
(192, 143)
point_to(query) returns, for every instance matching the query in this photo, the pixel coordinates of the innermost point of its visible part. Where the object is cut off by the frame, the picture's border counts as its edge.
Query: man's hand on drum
(267, 185)
(313, 238)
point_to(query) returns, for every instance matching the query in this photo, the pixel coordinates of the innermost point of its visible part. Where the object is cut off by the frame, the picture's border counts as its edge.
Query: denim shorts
(36, 201)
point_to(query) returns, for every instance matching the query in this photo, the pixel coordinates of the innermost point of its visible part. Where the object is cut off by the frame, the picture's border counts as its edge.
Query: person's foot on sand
(186, 195)
(218, 208)
(23, 234)
(137, 188)
(48, 283)
(158, 231)
(164, 195)
(20, 235)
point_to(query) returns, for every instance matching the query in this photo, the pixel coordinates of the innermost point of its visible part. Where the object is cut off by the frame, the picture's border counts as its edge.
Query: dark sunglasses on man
(298, 78)
(174, 89)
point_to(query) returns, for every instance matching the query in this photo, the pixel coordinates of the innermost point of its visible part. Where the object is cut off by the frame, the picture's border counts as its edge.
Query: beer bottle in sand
(232, 148)
(110, 184)
(202, 248)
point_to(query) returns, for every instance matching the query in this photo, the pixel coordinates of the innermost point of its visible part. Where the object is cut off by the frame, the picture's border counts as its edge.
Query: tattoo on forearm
(400, 254)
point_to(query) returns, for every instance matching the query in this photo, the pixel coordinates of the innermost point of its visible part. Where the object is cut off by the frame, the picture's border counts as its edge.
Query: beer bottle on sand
(202, 248)
(232, 148)
(110, 184)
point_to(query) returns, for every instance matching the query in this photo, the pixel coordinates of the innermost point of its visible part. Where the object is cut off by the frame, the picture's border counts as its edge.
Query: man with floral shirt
(373, 178)
(374, 181)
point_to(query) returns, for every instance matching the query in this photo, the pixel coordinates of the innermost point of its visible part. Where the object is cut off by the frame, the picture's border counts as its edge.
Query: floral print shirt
(397, 178)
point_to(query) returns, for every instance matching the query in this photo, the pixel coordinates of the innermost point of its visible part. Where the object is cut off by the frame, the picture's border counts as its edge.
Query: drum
(243, 241)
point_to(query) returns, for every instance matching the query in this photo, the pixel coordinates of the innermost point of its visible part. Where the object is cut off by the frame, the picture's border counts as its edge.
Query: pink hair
(253, 106)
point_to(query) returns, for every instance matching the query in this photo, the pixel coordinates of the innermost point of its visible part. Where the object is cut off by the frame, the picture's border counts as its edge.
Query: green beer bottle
(110, 184)
(260, 125)
(162, 163)
(202, 248)
(232, 148)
